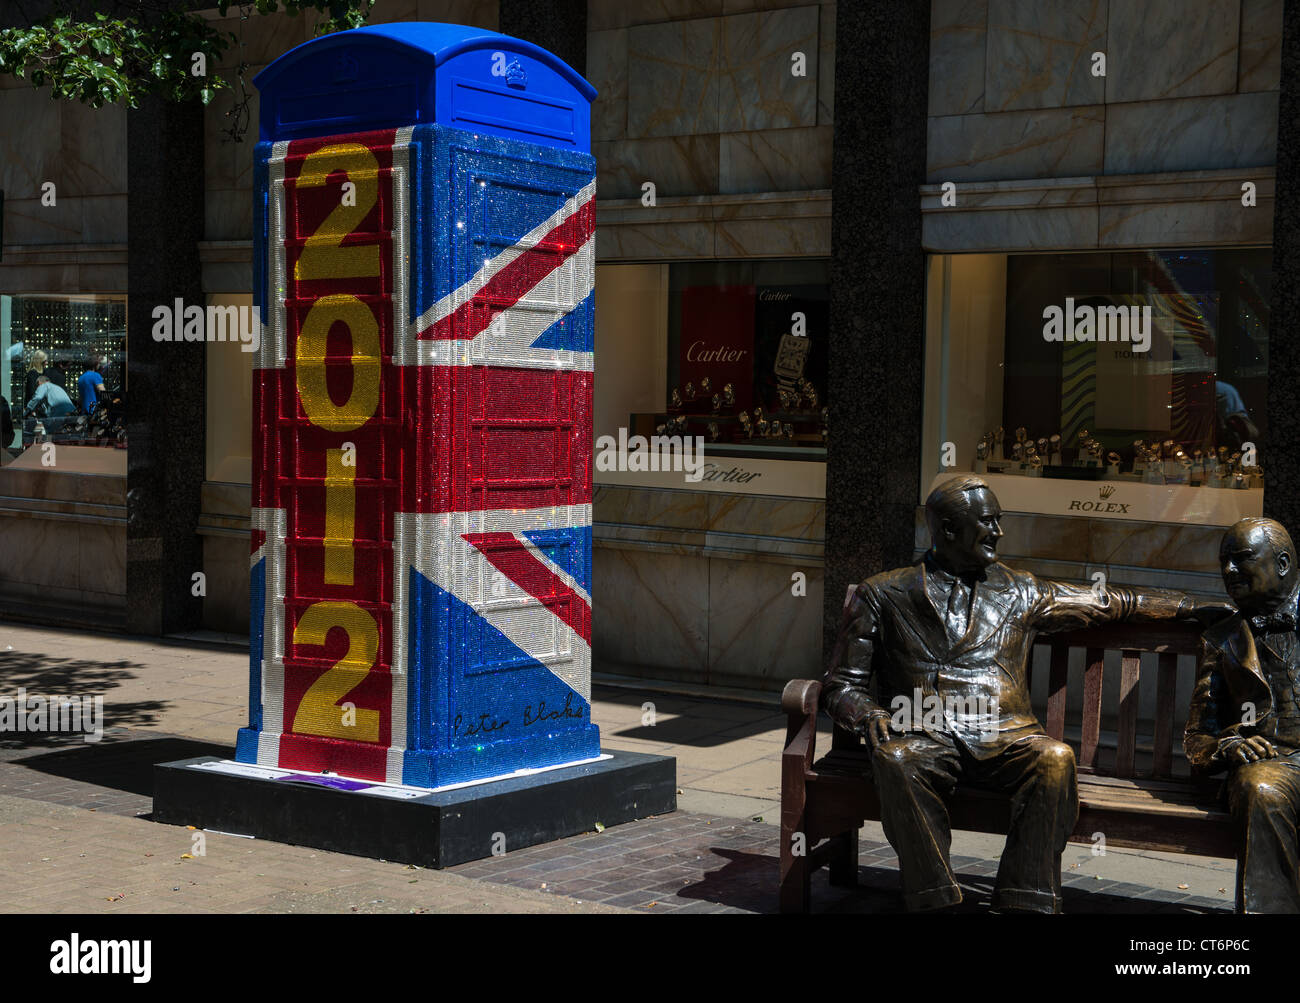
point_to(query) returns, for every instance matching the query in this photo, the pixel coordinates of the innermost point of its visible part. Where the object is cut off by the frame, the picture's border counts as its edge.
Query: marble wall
(701, 99)
(64, 546)
(1106, 212)
(79, 243)
(1189, 85)
(229, 165)
(705, 588)
(224, 528)
(1048, 155)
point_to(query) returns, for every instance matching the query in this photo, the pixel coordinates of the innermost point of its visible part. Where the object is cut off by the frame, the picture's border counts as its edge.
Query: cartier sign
(700, 351)
(717, 340)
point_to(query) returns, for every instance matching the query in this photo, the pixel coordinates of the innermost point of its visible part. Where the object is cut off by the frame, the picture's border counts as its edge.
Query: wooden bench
(828, 799)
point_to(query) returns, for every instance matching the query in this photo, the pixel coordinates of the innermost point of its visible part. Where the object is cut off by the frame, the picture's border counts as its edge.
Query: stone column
(1278, 457)
(165, 380)
(559, 26)
(877, 313)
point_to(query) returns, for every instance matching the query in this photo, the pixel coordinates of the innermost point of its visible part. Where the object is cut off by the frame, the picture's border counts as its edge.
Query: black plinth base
(434, 830)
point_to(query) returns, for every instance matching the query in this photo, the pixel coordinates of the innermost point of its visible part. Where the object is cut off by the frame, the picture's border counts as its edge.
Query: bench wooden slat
(1178, 637)
(1126, 741)
(1058, 679)
(1162, 764)
(1147, 784)
(1092, 674)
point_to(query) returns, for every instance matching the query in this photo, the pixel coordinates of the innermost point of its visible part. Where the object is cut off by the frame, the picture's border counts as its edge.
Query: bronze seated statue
(1245, 713)
(955, 633)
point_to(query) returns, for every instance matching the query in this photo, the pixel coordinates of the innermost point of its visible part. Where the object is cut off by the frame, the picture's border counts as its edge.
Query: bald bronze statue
(1245, 713)
(954, 634)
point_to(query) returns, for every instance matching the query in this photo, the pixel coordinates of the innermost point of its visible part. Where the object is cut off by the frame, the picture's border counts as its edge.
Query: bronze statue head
(964, 519)
(1257, 559)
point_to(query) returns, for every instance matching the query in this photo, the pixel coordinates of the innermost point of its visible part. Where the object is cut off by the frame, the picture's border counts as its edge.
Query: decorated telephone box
(424, 267)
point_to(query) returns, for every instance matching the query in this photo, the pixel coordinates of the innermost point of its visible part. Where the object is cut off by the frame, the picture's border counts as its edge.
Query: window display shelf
(1118, 499)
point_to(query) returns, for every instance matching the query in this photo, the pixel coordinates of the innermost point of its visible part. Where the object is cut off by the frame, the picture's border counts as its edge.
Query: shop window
(76, 345)
(746, 358)
(1146, 367)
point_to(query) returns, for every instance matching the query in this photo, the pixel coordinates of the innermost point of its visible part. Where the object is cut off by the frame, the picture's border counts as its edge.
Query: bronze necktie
(958, 608)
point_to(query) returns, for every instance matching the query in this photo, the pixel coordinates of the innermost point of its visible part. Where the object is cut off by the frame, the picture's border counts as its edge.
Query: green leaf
(106, 58)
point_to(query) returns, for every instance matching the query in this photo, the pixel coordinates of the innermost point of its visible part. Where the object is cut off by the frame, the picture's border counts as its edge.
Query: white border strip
(458, 297)
(376, 787)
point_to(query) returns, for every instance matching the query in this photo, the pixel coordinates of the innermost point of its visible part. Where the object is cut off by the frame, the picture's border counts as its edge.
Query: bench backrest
(1167, 639)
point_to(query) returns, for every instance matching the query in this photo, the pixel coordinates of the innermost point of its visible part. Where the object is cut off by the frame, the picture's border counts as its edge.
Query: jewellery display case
(1142, 372)
(746, 359)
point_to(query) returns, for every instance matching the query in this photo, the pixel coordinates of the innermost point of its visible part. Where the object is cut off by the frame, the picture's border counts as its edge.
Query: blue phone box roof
(412, 73)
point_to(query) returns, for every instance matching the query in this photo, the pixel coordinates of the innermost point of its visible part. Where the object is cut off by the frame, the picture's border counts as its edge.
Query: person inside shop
(57, 405)
(6, 429)
(1234, 424)
(90, 384)
(57, 372)
(35, 369)
(114, 368)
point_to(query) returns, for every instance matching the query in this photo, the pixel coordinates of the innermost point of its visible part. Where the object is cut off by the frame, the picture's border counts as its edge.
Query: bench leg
(796, 873)
(844, 862)
(796, 885)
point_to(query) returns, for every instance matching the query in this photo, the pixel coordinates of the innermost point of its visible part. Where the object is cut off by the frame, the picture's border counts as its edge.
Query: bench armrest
(800, 696)
(799, 701)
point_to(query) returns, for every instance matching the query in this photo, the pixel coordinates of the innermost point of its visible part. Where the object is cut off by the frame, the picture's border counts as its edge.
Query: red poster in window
(718, 342)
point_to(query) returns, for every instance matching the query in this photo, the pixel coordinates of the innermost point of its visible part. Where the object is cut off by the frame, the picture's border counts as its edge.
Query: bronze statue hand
(1253, 749)
(875, 730)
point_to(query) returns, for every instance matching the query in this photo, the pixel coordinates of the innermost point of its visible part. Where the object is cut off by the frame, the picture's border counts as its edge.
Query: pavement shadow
(689, 721)
(748, 881)
(121, 766)
(49, 675)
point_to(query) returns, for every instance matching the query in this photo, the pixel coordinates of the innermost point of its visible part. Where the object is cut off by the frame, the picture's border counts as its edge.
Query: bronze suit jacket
(1229, 676)
(897, 639)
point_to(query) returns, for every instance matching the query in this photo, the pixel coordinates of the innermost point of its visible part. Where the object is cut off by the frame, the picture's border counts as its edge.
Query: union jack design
(421, 564)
